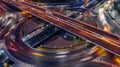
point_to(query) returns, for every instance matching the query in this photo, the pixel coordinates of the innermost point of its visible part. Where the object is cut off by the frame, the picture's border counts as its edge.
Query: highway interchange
(17, 48)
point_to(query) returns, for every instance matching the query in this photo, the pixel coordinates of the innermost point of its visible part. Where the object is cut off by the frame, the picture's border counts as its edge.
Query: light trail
(108, 41)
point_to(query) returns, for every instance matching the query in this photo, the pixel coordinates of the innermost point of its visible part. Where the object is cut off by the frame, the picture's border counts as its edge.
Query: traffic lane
(95, 64)
(94, 39)
(85, 25)
(2, 16)
(6, 7)
(9, 24)
(9, 20)
(88, 39)
(20, 50)
(93, 3)
(113, 24)
(91, 28)
(53, 21)
(25, 49)
(16, 50)
(5, 12)
(39, 60)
